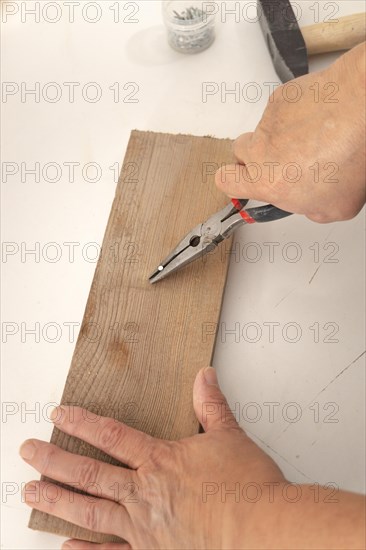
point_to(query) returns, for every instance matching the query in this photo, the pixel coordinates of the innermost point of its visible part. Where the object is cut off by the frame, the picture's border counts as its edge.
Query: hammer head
(284, 39)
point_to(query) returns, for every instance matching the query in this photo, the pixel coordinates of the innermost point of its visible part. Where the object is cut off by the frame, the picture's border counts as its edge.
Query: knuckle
(324, 217)
(317, 218)
(348, 216)
(110, 435)
(92, 516)
(87, 472)
(163, 454)
(340, 213)
(47, 458)
(347, 212)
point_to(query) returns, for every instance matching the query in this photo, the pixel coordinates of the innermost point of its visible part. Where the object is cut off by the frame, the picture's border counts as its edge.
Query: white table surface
(302, 401)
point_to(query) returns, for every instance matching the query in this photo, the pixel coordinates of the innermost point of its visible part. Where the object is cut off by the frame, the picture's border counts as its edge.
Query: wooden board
(141, 345)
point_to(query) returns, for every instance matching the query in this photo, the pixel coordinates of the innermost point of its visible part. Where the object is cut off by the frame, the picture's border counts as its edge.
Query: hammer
(290, 46)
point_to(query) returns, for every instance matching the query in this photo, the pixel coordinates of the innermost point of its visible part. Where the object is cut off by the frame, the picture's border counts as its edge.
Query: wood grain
(141, 345)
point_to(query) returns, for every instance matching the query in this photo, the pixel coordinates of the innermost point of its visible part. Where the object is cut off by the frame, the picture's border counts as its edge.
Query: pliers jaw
(195, 244)
(206, 236)
(200, 241)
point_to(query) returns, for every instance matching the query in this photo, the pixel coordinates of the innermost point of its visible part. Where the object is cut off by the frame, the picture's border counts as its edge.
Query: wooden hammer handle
(341, 34)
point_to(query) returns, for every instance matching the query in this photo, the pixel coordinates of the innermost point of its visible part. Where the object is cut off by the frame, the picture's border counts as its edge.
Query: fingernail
(210, 376)
(27, 450)
(66, 546)
(58, 415)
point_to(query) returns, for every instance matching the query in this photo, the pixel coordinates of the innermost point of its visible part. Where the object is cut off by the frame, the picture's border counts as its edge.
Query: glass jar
(190, 28)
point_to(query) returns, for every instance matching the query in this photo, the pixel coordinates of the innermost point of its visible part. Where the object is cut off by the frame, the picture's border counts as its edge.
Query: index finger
(126, 444)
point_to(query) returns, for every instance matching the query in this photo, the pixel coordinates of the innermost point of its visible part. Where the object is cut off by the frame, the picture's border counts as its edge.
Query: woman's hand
(211, 491)
(176, 494)
(307, 154)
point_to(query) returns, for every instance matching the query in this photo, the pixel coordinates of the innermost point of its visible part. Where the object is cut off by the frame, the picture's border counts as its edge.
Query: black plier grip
(259, 214)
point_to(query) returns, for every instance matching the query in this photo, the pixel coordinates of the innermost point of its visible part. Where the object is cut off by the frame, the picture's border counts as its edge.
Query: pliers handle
(259, 214)
(206, 236)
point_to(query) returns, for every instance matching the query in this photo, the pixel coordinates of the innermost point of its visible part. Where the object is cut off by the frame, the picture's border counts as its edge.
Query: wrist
(252, 522)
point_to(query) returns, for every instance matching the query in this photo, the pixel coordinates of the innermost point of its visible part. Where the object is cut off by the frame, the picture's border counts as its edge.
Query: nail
(27, 450)
(210, 376)
(58, 415)
(66, 546)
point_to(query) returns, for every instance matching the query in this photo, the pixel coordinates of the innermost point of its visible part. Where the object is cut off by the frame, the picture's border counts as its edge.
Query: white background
(320, 384)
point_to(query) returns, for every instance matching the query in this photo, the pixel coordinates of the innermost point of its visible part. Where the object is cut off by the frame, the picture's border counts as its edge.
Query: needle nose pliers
(204, 238)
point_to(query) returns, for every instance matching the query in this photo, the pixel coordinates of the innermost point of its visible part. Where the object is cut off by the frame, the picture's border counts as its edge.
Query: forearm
(304, 517)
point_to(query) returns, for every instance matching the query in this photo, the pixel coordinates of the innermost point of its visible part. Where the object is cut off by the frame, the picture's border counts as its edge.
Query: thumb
(241, 180)
(210, 405)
